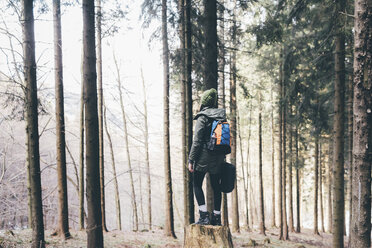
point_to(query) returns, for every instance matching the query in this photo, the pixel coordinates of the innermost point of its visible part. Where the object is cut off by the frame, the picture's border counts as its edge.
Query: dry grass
(156, 238)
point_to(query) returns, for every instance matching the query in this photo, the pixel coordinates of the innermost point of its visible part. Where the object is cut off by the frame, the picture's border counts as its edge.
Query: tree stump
(207, 236)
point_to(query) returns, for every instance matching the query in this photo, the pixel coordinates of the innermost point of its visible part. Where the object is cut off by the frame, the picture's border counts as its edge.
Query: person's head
(209, 99)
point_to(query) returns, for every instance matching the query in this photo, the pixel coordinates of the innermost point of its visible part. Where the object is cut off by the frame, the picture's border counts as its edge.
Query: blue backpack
(219, 141)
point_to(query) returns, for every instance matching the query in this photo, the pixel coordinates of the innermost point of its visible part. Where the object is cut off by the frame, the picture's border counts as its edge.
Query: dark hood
(213, 113)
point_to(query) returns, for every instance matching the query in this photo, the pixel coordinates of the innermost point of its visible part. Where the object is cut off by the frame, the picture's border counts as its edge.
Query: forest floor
(156, 238)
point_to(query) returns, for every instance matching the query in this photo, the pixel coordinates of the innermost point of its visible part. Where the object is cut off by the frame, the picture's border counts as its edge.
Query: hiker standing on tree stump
(203, 158)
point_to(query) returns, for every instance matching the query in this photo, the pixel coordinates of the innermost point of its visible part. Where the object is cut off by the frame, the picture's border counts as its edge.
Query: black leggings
(198, 181)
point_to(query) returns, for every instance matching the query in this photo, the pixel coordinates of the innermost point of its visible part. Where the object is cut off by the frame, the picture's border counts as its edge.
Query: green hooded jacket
(200, 156)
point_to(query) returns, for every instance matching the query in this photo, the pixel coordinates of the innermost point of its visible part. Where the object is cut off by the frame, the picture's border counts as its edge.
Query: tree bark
(316, 184)
(245, 182)
(29, 201)
(362, 119)
(210, 66)
(207, 236)
(63, 227)
(234, 195)
(184, 120)
(126, 134)
(284, 147)
(350, 153)
(81, 162)
(290, 181)
(100, 113)
(338, 129)
(222, 64)
(248, 171)
(189, 113)
(221, 69)
(141, 220)
(321, 187)
(260, 189)
(273, 221)
(211, 52)
(330, 172)
(280, 184)
(33, 155)
(147, 158)
(169, 220)
(222, 54)
(94, 225)
(298, 208)
(116, 185)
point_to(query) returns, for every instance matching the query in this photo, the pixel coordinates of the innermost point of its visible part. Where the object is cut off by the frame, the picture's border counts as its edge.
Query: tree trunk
(234, 195)
(63, 227)
(284, 147)
(222, 64)
(94, 227)
(245, 182)
(185, 174)
(248, 171)
(32, 123)
(116, 185)
(29, 201)
(350, 153)
(338, 129)
(316, 185)
(222, 54)
(141, 220)
(188, 98)
(147, 158)
(260, 189)
(248, 203)
(321, 187)
(273, 222)
(100, 111)
(362, 119)
(211, 52)
(330, 173)
(169, 221)
(298, 216)
(126, 134)
(207, 236)
(290, 181)
(210, 66)
(280, 184)
(81, 162)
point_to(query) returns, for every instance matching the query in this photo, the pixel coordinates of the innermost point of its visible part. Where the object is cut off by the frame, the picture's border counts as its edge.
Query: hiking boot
(203, 219)
(216, 219)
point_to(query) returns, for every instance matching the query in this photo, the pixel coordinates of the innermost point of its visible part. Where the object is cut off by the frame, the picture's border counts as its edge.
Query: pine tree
(100, 112)
(63, 227)
(146, 133)
(362, 119)
(188, 98)
(81, 158)
(127, 151)
(273, 221)
(94, 225)
(233, 76)
(31, 101)
(338, 129)
(115, 178)
(169, 220)
(260, 189)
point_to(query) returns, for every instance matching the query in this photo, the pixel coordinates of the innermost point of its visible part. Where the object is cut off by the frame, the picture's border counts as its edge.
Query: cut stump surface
(207, 236)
